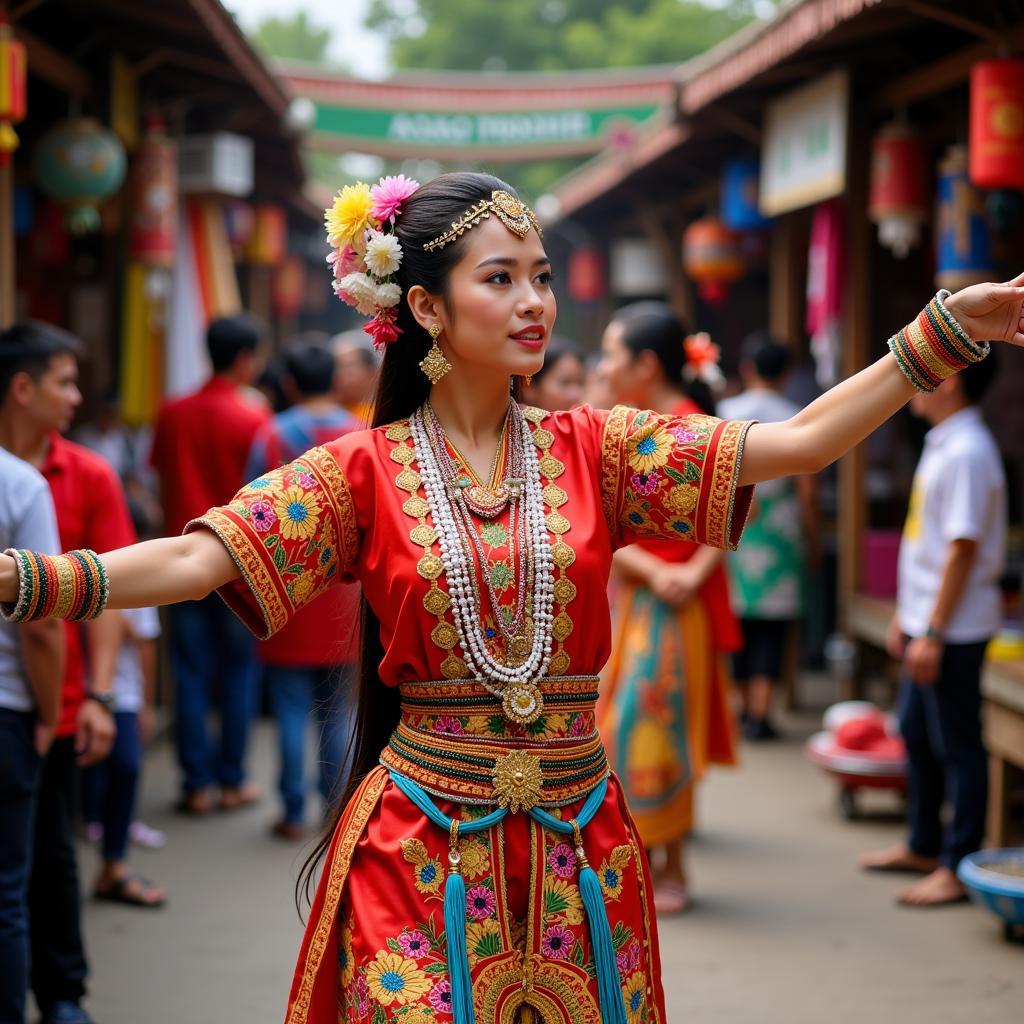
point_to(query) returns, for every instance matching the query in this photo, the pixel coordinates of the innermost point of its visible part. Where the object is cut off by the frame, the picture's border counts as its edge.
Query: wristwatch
(934, 633)
(107, 701)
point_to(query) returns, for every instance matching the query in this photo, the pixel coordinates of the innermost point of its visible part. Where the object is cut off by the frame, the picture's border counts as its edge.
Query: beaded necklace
(529, 633)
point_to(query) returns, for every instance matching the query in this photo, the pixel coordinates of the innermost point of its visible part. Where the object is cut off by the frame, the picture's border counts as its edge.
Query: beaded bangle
(72, 586)
(934, 346)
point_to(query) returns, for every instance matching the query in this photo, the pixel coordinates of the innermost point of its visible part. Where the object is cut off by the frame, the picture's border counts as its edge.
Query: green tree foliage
(553, 35)
(294, 38)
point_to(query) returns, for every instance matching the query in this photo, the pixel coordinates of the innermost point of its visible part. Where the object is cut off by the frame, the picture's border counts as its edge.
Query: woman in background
(558, 385)
(664, 711)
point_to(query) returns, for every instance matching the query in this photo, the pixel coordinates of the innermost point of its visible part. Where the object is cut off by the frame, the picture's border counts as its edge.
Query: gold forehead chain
(515, 215)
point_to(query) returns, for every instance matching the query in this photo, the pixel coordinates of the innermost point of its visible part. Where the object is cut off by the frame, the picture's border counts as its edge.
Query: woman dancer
(664, 712)
(487, 619)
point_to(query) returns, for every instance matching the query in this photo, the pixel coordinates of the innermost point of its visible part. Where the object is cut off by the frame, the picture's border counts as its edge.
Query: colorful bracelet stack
(72, 586)
(935, 346)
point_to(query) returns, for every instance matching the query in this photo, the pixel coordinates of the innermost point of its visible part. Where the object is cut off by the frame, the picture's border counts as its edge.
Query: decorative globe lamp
(713, 258)
(80, 164)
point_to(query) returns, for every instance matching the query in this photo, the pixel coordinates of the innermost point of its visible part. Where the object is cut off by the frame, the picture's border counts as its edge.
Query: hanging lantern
(586, 275)
(712, 257)
(898, 202)
(997, 124)
(239, 221)
(288, 287)
(741, 189)
(154, 193)
(13, 89)
(269, 232)
(80, 163)
(963, 249)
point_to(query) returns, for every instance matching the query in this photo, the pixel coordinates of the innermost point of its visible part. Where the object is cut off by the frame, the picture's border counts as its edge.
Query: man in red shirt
(38, 397)
(310, 663)
(200, 447)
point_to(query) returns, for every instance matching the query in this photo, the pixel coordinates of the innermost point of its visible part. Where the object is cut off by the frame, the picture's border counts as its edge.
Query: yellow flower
(682, 499)
(298, 512)
(562, 899)
(633, 993)
(393, 978)
(302, 588)
(349, 216)
(427, 875)
(417, 1015)
(345, 958)
(483, 938)
(649, 448)
(475, 860)
(612, 871)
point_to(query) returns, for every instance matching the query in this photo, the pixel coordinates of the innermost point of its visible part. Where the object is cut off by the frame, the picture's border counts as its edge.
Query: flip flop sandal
(121, 892)
(671, 898)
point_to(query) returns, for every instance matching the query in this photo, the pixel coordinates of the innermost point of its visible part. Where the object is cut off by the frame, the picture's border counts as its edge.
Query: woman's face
(501, 306)
(561, 387)
(618, 367)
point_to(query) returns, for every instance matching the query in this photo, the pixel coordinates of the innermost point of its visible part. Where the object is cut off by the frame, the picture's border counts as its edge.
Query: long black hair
(401, 389)
(657, 328)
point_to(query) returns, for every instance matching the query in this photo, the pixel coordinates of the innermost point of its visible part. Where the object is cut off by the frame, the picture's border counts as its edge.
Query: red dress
(375, 944)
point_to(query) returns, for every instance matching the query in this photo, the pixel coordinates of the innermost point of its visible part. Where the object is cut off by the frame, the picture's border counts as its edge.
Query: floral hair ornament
(512, 212)
(702, 359)
(366, 253)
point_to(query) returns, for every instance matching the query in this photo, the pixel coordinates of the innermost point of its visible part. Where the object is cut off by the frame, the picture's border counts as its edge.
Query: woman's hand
(8, 580)
(991, 312)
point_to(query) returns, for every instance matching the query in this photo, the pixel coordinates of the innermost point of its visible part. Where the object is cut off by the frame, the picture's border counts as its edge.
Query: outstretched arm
(155, 572)
(838, 421)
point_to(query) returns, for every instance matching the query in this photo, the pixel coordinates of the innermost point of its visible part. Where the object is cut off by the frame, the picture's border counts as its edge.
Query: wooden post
(786, 293)
(7, 244)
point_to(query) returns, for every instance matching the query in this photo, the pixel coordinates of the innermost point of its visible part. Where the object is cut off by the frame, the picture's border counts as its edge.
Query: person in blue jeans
(31, 668)
(310, 664)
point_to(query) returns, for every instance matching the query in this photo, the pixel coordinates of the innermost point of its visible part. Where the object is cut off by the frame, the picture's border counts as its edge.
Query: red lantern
(154, 190)
(586, 275)
(288, 287)
(267, 244)
(13, 91)
(712, 257)
(997, 124)
(898, 187)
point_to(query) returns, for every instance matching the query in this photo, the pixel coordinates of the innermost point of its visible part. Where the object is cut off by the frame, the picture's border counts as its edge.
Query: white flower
(387, 295)
(383, 254)
(361, 290)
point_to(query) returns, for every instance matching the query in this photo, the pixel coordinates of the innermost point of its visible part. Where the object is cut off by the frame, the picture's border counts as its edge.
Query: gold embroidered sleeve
(292, 534)
(673, 477)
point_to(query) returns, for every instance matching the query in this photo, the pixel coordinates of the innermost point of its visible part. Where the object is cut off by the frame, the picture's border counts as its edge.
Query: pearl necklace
(513, 684)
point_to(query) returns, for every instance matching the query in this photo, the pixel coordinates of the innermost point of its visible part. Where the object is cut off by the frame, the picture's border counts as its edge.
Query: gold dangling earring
(528, 379)
(433, 364)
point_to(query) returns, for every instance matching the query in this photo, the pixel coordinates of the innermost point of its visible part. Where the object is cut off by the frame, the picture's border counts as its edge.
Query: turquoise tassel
(609, 990)
(458, 960)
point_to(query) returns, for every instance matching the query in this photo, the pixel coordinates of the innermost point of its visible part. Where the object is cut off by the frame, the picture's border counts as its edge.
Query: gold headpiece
(516, 216)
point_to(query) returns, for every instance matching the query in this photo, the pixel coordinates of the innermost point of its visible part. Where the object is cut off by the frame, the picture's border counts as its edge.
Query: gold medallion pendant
(522, 703)
(517, 781)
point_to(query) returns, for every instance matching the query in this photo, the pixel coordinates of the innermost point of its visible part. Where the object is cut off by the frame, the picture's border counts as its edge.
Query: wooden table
(1002, 689)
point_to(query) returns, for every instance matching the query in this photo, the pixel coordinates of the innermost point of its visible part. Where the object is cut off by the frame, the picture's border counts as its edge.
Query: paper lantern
(288, 287)
(239, 221)
(997, 124)
(712, 257)
(154, 193)
(741, 187)
(13, 89)
(963, 249)
(80, 163)
(586, 275)
(898, 202)
(267, 243)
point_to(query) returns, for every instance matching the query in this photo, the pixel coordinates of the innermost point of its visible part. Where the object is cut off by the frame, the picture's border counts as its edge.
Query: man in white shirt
(31, 667)
(948, 608)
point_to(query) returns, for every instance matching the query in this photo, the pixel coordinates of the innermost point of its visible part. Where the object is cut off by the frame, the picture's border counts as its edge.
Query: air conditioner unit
(220, 163)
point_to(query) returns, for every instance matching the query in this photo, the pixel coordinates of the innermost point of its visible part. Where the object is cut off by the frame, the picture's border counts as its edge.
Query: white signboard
(803, 160)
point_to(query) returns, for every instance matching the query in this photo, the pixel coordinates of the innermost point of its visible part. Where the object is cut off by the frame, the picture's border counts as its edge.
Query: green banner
(578, 130)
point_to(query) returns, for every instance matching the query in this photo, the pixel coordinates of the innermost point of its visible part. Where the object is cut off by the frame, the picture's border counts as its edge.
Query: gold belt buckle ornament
(522, 703)
(517, 781)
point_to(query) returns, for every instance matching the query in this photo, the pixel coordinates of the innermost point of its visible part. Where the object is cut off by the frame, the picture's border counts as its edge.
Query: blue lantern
(741, 186)
(963, 251)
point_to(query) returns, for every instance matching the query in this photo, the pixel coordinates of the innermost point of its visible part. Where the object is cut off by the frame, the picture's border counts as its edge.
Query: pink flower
(383, 328)
(448, 724)
(304, 480)
(480, 902)
(345, 261)
(389, 195)
(562, 860)
(363, 995)
(263, 517)
(414, 944)
(622, 961)
(645, 483)
(441, 997)
(683, 436)
(579, 723)
(557, 942)
(634, 955)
